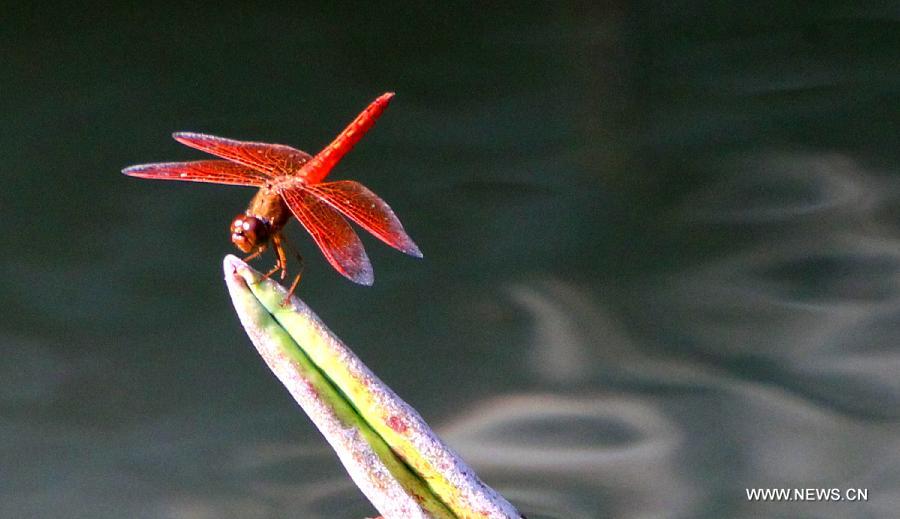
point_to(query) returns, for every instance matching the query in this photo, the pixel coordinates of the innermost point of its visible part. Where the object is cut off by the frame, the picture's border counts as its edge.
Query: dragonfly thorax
(249, 232)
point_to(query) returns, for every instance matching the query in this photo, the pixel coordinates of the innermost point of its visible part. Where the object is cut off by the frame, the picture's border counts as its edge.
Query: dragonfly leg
(297, 277)
(292, 289)
(280, 258)
(259, 251)
(274, 270)
(277, 241)
(299, 273)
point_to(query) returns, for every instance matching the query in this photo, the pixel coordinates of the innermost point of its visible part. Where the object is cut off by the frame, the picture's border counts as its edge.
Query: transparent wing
(334, 236)
(358, 203)
(272, 159)
(212, 171)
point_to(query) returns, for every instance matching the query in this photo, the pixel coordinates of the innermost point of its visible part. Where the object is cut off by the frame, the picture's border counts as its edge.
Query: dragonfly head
(248, 232)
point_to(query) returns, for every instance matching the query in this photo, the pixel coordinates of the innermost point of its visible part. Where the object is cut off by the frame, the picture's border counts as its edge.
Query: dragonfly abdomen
(318, 168)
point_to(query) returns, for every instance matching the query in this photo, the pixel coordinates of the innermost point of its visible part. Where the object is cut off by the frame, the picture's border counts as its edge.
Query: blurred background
(662, 253)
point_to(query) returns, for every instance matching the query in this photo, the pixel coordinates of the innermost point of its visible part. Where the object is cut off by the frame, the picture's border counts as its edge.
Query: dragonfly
(290, 183)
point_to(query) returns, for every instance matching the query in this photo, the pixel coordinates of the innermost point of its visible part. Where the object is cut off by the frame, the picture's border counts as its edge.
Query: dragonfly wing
(319, 167)
(212, 171)
(358, 203)
(272, 159)
(334, 236)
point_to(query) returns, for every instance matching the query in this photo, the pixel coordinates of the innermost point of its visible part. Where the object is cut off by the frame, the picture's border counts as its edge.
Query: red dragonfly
(290, 182)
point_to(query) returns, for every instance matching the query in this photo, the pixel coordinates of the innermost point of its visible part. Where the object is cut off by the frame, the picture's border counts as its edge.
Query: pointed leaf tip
(392, 455)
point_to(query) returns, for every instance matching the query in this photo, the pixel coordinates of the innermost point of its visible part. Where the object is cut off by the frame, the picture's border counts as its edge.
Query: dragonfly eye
(248, 232)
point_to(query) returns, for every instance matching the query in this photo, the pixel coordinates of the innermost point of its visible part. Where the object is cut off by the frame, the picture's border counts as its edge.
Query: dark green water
(662, 254)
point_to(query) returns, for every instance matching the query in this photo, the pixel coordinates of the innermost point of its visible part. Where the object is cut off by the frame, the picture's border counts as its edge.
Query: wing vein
(336, 239)
(361, 205)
